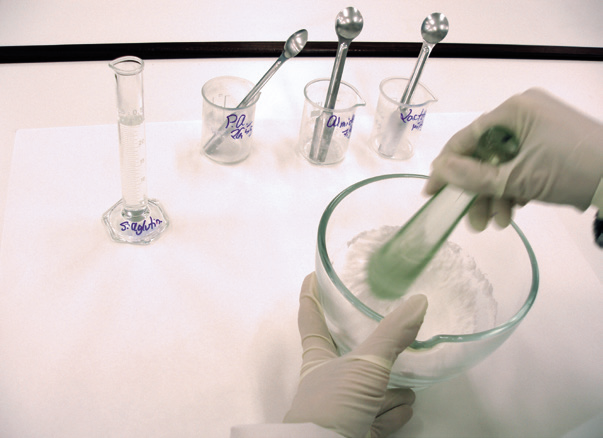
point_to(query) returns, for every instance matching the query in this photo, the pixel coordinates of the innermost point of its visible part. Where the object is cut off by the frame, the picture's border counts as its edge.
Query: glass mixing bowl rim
(441, 338)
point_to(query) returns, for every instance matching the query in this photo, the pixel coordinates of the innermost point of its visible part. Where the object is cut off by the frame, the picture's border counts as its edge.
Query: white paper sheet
(197, 332)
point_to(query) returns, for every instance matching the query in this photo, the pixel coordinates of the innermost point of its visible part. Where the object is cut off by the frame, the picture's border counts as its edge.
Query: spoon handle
(321, 139)
(256, 89)
(416, 74)
(336, 74)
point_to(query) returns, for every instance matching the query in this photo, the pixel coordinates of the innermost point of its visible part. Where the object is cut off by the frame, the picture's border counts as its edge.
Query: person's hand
(560, 159)
(348, 394)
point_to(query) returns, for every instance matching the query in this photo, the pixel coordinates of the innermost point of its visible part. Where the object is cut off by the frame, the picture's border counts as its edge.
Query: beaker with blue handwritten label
(397, 126)
(227, 126)
(332, 145)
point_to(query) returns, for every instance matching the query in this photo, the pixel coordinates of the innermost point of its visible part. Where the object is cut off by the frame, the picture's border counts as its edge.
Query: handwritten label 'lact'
(140, 228)
(408, 116)
(238, 126)
(337, 122)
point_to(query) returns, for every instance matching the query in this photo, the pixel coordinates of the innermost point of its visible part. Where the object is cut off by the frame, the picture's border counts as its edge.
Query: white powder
(459, 295)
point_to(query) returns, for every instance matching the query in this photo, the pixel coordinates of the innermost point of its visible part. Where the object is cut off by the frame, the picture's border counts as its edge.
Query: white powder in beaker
(459, 295)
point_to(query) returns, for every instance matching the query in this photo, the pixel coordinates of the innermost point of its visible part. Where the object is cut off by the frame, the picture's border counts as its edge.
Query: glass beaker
(336, 123)
(397, 126)
(134, 218)
(227, 129)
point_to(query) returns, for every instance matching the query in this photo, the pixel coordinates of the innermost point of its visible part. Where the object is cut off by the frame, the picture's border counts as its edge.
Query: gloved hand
(348, 394)
(560, 160)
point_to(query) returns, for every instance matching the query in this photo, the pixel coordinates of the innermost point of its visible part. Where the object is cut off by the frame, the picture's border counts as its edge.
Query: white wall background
(547, 22)
(74, 94)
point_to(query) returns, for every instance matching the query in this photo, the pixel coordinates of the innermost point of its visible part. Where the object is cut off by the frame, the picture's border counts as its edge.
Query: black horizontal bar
(256, 49)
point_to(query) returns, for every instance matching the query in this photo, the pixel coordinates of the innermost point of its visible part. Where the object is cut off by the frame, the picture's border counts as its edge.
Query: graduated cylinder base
(142, 229)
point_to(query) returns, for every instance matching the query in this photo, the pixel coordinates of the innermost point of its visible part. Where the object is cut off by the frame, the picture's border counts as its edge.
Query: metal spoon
(348, 26)
(294, 44)
(433, 30)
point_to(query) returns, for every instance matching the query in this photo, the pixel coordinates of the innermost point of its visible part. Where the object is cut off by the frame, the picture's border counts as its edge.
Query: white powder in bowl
(459, 295)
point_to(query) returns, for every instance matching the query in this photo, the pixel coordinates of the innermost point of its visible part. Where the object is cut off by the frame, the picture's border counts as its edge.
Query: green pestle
(396, 265)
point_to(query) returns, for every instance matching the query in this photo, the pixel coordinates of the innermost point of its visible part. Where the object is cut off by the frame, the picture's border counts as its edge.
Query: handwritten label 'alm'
(346, 125)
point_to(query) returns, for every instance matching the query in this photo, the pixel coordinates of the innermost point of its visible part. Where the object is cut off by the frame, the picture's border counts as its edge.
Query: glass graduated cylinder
(132, 146)
(135, 218)
(395, 266)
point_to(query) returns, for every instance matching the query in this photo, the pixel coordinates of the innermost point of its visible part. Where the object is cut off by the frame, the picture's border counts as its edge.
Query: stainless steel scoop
(433, 30)
(293, 46)
(348, 25)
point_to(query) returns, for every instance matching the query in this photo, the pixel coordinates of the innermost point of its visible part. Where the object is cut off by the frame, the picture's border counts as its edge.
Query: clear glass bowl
(503, 256)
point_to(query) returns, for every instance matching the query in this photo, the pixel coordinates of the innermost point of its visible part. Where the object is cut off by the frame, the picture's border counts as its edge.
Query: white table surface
(191, 335)
(197, 332)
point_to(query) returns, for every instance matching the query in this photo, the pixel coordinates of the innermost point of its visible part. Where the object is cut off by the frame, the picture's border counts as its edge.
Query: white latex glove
(560, 160)
(348, 394)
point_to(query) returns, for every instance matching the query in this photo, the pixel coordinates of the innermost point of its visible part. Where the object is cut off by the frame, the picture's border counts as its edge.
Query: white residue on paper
(459, 295)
